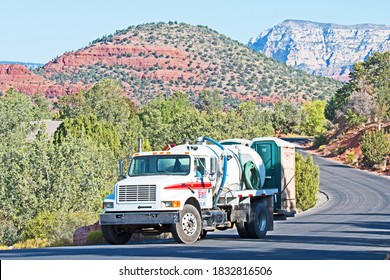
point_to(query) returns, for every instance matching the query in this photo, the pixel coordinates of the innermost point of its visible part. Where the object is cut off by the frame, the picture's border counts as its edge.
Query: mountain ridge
(159, 58)
(29, 65)
(342, 26)
(325, 49)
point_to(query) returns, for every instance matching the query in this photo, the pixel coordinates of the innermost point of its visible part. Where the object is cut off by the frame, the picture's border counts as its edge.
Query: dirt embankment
(345, 147)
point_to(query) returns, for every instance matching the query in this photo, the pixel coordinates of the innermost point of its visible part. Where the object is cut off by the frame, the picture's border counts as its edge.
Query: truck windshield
(160, 165)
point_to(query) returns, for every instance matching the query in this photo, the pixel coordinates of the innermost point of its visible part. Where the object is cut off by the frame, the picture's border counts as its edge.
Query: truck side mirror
(213, 166)
(119, 171)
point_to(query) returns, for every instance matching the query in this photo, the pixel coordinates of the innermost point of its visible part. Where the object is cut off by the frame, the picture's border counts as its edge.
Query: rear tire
(242, 229)
(258, 221)
(115, 235)
(189, 227)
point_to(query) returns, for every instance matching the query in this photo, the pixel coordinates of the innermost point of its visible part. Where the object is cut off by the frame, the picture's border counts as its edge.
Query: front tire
(203, 235)
(115, 235)
(188, 229)
(258, 221)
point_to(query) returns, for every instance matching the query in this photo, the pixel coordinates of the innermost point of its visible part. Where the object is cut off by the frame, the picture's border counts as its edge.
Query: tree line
(50, 185)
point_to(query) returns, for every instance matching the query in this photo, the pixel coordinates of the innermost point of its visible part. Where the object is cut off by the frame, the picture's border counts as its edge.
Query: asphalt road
(353, 224)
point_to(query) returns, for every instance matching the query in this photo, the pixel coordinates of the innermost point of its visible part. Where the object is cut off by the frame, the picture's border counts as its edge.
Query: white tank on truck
(189, 190)
(279, 161)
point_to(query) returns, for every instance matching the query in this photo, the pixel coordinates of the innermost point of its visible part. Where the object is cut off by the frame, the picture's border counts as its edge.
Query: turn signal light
(176, 203)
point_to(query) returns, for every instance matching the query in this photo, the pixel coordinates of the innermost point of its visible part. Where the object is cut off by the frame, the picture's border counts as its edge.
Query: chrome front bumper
(139, 218)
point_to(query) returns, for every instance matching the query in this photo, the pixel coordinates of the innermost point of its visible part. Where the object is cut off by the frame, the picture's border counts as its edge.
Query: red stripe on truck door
(192, 185)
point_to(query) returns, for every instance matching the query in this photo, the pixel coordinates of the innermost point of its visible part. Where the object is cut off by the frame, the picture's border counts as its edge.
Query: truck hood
(159, 181)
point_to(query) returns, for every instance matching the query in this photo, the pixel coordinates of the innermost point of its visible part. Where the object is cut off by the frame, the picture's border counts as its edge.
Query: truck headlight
(174, 204)
(107, 205)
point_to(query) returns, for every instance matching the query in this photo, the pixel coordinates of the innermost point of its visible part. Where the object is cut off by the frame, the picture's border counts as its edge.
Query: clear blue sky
(38, 31)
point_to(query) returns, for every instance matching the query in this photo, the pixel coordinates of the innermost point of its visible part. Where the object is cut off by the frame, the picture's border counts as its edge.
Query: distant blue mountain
(30, 65)
(324, 49)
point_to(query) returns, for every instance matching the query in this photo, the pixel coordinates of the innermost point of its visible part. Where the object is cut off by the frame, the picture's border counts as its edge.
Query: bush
(375, 146)
(32, 243)
(350, 157)
(353, 119)
(58, 227)
(95, 237)
(8, 232)
(319, 140)
(307, 181)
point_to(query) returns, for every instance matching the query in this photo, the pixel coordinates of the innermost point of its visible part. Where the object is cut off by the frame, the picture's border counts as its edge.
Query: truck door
(204, 186)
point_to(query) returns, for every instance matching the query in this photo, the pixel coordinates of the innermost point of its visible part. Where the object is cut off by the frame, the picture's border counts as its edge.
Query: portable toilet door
(269, 154)
(279, 160)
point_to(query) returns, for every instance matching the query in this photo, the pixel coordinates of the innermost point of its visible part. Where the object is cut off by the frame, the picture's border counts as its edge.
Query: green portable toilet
(279, 160)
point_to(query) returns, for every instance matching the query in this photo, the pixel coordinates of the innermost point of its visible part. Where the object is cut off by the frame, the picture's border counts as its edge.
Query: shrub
(8, 232)
(95, 237)
(32, 243)
(307, 180)
(353, 119)
(319, 140)
(58, 227)
(350, 157)
(375, 146)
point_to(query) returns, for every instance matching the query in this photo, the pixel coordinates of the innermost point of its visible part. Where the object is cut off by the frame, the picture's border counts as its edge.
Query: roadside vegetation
(53, 184)
(307, 181)
(360, 117)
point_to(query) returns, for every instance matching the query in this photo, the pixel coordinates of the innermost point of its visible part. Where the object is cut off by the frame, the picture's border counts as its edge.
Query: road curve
(354, 224)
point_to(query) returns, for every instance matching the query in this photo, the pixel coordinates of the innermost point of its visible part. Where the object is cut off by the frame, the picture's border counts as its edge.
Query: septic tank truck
(189, 190)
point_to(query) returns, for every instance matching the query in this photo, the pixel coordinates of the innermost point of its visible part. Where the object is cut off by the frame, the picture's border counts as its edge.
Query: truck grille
(140, 193)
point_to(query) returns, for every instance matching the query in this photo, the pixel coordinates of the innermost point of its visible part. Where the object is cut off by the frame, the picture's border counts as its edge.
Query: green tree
(41, 106)
(337, 102)
(313, 117)
(106, 102)
(16, 114)
(221, 125)
(371, 77)
(254, 121)
(378, 73)
(170, 120)
(39, 175)
(286, 117)
(88, 127)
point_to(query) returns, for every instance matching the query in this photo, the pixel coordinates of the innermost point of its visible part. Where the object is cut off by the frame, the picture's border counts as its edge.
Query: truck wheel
(242, 229)
(115, 235)
(188, 229)
(258, 221)
(203, 234)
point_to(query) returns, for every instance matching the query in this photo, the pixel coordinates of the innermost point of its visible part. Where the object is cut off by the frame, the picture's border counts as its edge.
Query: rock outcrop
(322, 49)
(21, 79)
(80, 235)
